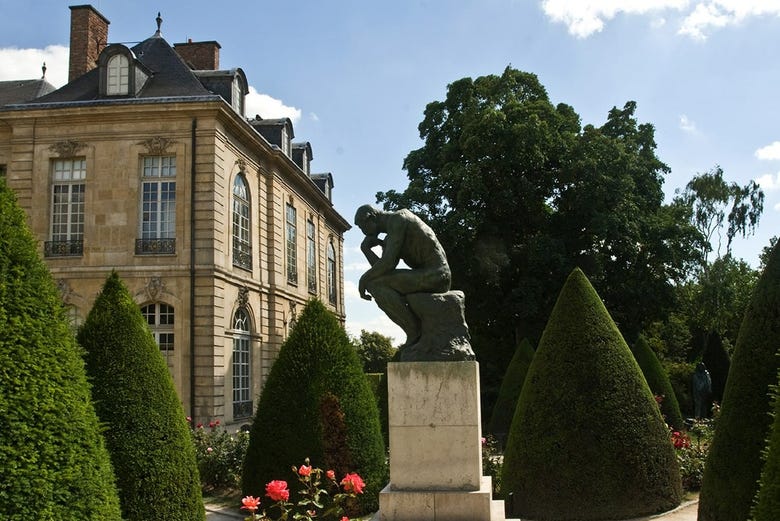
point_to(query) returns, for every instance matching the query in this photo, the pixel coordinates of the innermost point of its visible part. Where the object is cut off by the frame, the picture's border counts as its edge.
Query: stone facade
(218, 286)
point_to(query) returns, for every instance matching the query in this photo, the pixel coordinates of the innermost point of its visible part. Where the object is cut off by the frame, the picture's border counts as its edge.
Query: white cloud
(25, 64)
(769, 182)
(777, 207)
(769, 152)
(687, 125)
(586, 18)
(268, 107)
(313, 116)
(720, 13)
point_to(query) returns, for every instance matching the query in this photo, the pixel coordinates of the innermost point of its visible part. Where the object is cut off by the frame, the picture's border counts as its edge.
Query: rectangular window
(66, 230)
(311, 257)
(2, 171)
(158, 206)
(292, 245)
(242, 400)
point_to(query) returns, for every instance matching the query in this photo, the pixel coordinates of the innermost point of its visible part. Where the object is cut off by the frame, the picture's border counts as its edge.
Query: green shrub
(511, 385)
(587, 441)
(146, 432)
(658, 381)
(734, 463)
(767, 507)
(317, 370)
(53, 458)
(681, 378)
(220, 455)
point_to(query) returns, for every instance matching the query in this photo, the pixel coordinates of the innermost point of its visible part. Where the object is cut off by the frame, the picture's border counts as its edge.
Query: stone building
(145, 163)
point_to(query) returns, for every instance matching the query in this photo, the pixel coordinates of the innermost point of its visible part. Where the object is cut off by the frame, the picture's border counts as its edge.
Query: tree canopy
(519, 193)
(374, 350)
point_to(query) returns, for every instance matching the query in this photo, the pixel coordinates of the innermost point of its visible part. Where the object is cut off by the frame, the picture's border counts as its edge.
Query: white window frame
(67, 199)
(242, 237)
(242, 365)
(311, 256)
(291, 241)
(161, 319)
(158, 197)
(118, 75)
(331, 269)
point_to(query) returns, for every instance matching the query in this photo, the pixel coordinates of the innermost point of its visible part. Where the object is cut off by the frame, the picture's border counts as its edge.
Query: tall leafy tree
(146, 431)
(53, 458)
(519, 194)
(374, 350)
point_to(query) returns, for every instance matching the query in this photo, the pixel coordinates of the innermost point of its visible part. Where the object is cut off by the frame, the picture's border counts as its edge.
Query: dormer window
(117, 75)
(238, 96)
(120, 73)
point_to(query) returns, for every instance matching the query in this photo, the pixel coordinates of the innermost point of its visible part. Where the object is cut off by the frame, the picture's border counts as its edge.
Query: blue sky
(355, 77)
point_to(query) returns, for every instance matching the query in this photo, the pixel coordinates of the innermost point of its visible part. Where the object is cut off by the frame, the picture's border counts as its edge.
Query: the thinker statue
(416, 298)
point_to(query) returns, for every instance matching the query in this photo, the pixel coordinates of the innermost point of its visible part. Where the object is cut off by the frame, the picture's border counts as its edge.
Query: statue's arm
(391, 249)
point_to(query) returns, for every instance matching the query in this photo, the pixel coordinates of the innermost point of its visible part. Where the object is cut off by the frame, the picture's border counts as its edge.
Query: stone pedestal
(436, 445)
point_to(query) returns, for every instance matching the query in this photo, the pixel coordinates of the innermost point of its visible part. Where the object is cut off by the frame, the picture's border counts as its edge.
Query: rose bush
(219, 454)
(321, 496)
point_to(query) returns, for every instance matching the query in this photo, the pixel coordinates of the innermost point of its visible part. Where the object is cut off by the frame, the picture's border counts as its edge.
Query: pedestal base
(436, 445)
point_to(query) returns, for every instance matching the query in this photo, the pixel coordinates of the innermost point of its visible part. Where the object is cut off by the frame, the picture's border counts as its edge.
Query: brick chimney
(88, 36)
(202, 56)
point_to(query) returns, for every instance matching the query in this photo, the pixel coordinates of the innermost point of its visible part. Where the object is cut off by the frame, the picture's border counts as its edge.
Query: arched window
(242, 381)
(242, 244)
(311, 256)
(292, 244)
(332, 297)
(117, 75)
(160, 318)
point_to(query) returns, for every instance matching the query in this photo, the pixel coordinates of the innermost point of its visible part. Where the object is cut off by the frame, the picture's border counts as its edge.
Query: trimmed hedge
(658, 381)
(734, 463)
(317, 371)
(146, 430)
(587, 441)
(511, 385)
(53, 458)
(767, 507)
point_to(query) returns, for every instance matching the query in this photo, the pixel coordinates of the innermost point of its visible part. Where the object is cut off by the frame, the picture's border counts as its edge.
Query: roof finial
(44, 70)
(159, 23)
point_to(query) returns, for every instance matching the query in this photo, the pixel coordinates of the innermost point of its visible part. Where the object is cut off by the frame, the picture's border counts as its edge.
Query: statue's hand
(362, 290)
(370, 241)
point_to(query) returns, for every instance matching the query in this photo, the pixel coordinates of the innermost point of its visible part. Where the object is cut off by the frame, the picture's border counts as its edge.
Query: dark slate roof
(323, 181)
(22, 91)
(170, 76)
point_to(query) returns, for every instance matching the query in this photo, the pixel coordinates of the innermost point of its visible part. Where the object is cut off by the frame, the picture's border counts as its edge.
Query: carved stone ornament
(243, 296)
(66, 292)
(293, 313)
(241, 162)
(157, 145)
(154, 288)
(67, 148)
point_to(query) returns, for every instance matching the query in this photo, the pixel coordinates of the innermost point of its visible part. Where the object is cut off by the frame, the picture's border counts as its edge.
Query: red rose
(353, 483)
(277, 490)
(331, 475)
(250, 503)
(305, 470)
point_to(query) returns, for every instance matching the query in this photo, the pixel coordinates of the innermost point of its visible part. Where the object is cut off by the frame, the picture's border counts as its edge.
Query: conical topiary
(658, 381)
(511, 385)
(53, 458)
(587, 441)
(733, 465)
(767, 507)
(146, 430)
(317, 370)
(717, 360)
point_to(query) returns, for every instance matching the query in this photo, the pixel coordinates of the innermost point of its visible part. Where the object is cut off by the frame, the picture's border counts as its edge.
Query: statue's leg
(396, 308)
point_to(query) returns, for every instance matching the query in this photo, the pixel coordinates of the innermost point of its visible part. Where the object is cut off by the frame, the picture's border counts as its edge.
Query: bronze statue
(407, 294)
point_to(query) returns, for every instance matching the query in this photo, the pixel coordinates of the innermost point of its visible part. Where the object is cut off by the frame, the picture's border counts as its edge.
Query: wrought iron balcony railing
(155, 246)
(63, 248)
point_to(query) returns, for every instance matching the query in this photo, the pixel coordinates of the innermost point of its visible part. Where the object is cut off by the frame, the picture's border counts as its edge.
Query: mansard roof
(170, 76)
(22, 91)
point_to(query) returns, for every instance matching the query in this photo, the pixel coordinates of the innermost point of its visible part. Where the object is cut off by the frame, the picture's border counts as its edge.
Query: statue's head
(365, 219)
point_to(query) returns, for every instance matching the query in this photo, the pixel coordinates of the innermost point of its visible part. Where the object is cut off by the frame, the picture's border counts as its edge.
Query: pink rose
(277, 490)
(353, 483)
(304, 470)
(330, 475)
(250, 503)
